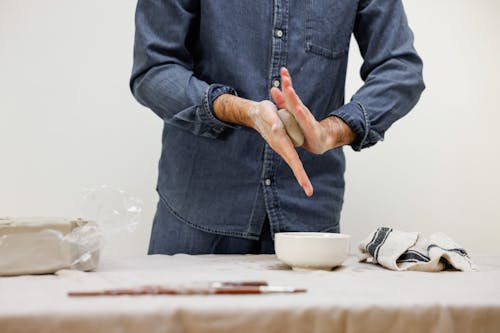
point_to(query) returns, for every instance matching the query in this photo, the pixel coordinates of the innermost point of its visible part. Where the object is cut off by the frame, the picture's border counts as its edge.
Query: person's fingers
(274, 132)
(291, 103)
(293, 100)
(286, 82)
(278, 98)
(303, 120)
(285, 73)
(284, 147)
(290, 94)
(303, 116)
(288, 90)
(276, 127)
(292, 159)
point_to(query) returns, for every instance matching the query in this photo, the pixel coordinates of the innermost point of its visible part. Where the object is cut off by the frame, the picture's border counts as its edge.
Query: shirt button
(267, 181)
(279, 33)
(276, 83)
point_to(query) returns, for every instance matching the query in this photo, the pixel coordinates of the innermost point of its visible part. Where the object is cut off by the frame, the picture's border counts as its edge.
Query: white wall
(439, 168)
(68, 121)
(67, 118)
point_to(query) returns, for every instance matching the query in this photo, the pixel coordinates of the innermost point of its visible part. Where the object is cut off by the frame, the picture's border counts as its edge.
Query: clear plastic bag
(113, 208)
(44, 245)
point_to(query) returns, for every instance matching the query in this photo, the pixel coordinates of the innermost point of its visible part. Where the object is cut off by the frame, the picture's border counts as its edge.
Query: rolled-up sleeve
(162, 75)
(391, 71)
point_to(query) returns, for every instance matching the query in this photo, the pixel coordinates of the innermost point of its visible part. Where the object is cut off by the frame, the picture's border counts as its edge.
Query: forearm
(162, 76)
(338, 132)
(157, 89)
(233, 109)
(391, 71)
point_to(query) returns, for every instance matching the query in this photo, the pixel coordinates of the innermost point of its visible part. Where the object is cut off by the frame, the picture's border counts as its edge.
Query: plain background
(68, 121)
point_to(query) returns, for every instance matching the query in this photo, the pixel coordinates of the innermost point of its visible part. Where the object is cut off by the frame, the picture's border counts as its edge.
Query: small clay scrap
(291, 127)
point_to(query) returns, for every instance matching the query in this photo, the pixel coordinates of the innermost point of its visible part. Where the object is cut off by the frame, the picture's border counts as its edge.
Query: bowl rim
(312, 235)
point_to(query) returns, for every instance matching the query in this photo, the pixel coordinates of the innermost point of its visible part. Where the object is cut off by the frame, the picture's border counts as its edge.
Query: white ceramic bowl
(311, 250)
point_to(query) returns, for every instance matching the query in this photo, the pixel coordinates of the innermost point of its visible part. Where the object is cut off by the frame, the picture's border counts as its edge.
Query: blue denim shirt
(223, 178)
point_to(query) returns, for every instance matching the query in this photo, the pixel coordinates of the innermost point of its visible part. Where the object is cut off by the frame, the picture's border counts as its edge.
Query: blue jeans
(169, 235)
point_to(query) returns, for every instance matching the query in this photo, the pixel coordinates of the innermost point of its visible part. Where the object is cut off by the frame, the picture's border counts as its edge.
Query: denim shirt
(223, 178)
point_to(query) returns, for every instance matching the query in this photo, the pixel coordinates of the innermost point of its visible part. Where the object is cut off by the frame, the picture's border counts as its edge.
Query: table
(356, 297)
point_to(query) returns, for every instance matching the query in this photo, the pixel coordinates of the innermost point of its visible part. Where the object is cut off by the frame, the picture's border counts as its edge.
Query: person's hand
(266, 121)
(319, 136)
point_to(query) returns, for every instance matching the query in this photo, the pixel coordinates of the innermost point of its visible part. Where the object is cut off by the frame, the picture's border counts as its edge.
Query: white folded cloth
(401, 251)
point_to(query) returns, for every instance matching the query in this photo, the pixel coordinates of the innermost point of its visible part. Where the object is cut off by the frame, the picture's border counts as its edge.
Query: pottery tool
(210, 288)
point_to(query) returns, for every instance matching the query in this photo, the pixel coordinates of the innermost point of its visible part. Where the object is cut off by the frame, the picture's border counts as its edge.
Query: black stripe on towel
(373, 238)
(378, 240)
(457, 250)
(413, 256)
(370, 247)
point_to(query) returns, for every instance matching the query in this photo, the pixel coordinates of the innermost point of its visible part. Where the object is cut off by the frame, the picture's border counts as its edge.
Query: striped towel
(401, 251)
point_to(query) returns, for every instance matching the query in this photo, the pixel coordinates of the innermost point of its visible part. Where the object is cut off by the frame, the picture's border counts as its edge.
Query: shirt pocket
(328, 27)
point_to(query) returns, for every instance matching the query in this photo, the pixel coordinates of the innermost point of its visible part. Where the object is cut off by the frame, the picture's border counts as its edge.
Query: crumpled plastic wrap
(36, 245)
(113, 209)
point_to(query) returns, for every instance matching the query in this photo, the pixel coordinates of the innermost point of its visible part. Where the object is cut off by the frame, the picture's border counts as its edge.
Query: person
(216, 73)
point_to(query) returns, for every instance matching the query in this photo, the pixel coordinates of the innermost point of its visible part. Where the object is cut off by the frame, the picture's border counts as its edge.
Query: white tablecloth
(353, 298)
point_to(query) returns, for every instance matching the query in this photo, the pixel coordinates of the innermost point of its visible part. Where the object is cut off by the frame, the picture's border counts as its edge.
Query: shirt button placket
(278, 58)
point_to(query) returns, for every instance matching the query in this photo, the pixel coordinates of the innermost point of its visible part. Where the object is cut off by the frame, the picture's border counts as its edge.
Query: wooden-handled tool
(211, 288)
